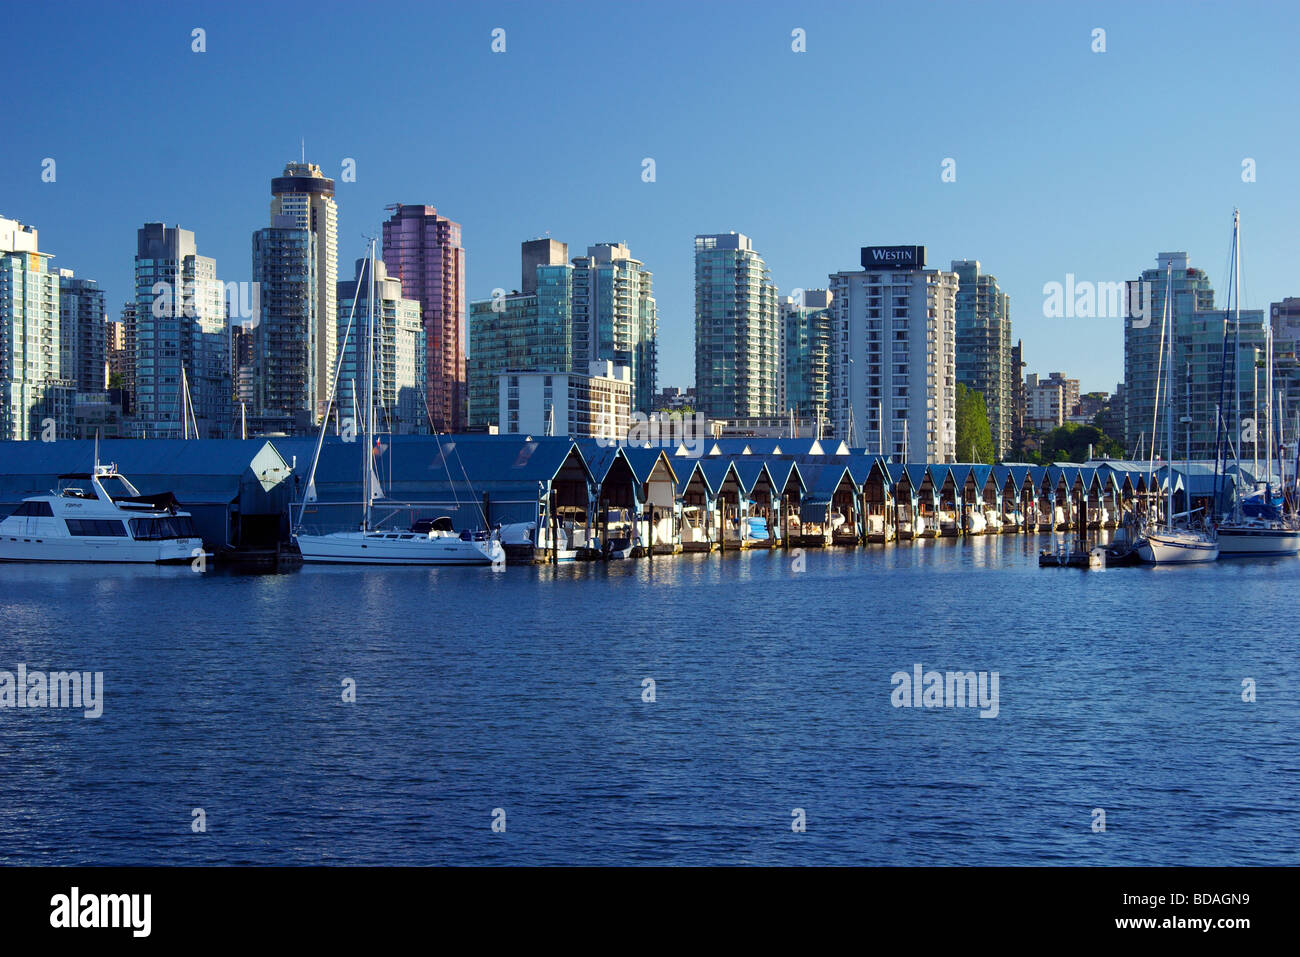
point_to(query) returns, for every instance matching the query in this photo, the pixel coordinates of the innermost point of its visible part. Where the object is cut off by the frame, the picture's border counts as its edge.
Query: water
(522, 690)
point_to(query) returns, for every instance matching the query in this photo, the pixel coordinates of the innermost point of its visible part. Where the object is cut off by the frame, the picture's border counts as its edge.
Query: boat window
(156, 529)
(35, 509)
(107, 528)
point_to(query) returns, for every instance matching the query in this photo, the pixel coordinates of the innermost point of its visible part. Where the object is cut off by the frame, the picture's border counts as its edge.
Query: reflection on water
(522, 689)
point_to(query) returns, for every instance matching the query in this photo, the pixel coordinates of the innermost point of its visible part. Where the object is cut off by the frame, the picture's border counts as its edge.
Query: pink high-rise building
(423, 250)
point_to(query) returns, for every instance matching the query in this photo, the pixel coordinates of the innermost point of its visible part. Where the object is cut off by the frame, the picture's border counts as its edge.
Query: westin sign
(893, 257)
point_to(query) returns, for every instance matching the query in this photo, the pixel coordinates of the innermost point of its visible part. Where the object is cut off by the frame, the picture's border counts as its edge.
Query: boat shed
(237, 490)
(477, 481)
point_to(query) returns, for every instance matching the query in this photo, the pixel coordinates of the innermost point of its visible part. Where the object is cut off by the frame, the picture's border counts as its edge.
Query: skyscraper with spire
(302, 199)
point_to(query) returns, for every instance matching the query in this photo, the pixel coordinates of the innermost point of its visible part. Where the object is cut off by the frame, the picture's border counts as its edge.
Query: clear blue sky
(1066, 160)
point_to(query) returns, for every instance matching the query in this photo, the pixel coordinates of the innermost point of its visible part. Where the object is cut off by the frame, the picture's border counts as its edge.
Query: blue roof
(207, 471)
(781, 469)
(960, 473)
(750, 470)
(982, 474)
(685, 476)
(643, 462)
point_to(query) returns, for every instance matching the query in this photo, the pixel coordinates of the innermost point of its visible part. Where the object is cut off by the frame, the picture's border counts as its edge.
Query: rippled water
(522, 690)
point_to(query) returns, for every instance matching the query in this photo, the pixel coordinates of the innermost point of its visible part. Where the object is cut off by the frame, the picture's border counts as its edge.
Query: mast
(1169, 405)
(1236, 357)
(368, 427)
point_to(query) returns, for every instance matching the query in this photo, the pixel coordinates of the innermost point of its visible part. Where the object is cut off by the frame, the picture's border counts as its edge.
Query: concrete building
(1046, 403)
(423, 250)
(615, 317)
(983, 349)
(180, 317)
(737, 330)
(596, 405)
(83, 333)
(529, 331)
(398, 351)
(893, 379)
(284, 364)
(806, 351)
(29, 333)
(306, 196)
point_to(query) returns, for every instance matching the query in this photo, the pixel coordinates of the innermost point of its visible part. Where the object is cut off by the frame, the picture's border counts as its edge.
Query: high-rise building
(397, 345)
(528, 331)
(1019, 404)
(1201, 389)
(893, 381)
(807, 332)
(285, 392)
(121, 358)
(83, 346)
(737, 330)
(615, 318)
(983, 356)
(423, 250)
(29, 332)
(306, 196)
(182, 337)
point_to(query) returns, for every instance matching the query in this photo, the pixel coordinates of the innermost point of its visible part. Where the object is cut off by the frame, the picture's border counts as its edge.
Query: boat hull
(1172, 549)
(1244, 542)
(357, 548)
(97, 550)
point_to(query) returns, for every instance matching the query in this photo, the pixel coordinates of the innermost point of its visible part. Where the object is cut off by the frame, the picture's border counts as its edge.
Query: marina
(523, 499)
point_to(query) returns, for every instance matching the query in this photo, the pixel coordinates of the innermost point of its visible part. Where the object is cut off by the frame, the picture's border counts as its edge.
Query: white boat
(976, 523)
(1178, 546)
(437, 545)
(101, 518)
(1255, 526)
(380, 547)
(1257, 536)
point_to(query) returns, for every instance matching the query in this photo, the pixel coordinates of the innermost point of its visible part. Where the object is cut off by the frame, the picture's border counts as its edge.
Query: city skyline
(1066, 198)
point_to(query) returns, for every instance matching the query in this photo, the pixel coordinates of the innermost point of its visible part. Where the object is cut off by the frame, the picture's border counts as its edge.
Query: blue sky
(1067, 161)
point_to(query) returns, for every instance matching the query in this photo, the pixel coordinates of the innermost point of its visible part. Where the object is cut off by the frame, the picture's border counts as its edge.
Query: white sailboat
(1170, 544)
(377, 546)
(1254, 527)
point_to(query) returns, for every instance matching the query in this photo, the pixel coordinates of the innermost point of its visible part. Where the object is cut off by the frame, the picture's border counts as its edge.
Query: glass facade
(737, 330)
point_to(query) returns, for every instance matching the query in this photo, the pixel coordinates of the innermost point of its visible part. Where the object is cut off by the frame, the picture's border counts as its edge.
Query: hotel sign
(893, 257)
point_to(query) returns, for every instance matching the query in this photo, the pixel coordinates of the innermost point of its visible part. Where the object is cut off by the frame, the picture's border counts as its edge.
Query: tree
(974, 437)
(1070, 443)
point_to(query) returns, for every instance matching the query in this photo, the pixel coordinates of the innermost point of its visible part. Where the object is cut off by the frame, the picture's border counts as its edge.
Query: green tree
(974, 437)
(1070, 443)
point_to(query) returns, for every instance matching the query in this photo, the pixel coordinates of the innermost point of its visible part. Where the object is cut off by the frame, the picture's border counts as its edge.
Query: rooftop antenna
(304, 150)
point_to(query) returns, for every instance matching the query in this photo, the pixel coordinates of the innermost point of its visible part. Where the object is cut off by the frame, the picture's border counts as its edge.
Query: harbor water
(519, 697)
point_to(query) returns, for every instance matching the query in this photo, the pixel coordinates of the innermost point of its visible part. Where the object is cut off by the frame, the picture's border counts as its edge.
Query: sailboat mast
(1169, 405)
(1236, 355)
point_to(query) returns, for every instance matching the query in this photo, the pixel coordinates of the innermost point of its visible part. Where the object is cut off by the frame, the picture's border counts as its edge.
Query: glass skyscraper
(737, 330)
(180, 324)
(1198, 373)
(29, 331)
(423, 250)
(398, 348)
(983, 349)
(284, 382)
(615, 318)
(806, 354)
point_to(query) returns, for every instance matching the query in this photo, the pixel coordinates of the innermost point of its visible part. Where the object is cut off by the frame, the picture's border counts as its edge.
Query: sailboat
(1170, 544)
(1256, 525)
(434, 543)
